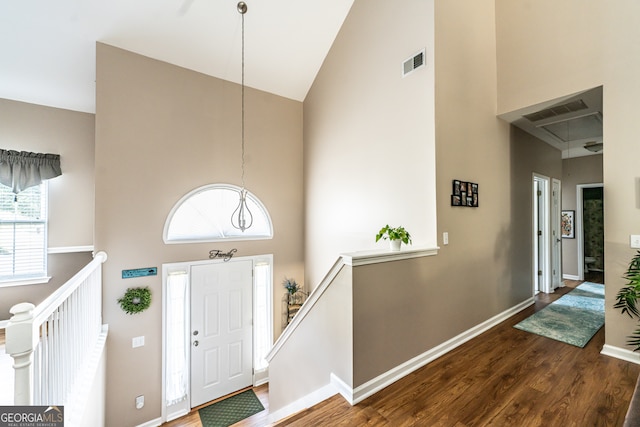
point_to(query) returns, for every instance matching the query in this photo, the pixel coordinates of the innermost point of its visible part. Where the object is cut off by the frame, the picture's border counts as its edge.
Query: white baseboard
(354, 396)
(305, 402)
(261, 377)
(152, 423)
(621, 353)
(373, 386)
(343, 388)
(570, 277)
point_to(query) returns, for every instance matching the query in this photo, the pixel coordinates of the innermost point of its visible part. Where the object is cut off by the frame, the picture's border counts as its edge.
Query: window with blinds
(23, 233)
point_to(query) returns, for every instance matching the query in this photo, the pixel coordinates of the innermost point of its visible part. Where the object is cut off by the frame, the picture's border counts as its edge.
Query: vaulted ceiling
(47, 48)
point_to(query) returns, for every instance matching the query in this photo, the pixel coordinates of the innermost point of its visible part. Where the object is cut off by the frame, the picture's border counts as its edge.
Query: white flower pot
(395, 245)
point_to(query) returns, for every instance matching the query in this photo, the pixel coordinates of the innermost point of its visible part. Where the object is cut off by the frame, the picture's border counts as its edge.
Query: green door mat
(574, 318)
(230, 410)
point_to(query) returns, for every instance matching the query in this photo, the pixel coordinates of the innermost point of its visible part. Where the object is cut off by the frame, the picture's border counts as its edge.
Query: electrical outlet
(137, 342)
(139, 402)
(634, 241)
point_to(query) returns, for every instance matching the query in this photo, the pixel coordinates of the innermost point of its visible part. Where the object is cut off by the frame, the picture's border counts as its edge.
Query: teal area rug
(230, 410)
(573, 318)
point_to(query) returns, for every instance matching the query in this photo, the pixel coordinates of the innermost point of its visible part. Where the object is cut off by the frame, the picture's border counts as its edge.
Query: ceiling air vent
(413, 63)
(557, 110)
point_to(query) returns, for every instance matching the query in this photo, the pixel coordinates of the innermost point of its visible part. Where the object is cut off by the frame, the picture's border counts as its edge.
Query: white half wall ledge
(355, 259)
(70, 249)
(621, 353)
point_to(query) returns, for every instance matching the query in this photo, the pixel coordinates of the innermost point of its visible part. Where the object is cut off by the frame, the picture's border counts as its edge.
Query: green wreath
(135, 300)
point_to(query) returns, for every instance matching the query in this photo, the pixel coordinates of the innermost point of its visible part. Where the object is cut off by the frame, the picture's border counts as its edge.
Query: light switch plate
(635, 241)
(445, 238)
(137, 342)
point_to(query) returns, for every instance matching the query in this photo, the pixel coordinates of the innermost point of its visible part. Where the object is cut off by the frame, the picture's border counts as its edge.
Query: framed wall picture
(464, 193)
(567, 224)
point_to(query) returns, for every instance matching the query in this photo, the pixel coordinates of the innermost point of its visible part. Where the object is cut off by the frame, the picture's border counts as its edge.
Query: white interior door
(538, 242)
(541, 235)
(221, 329)
(556, 238)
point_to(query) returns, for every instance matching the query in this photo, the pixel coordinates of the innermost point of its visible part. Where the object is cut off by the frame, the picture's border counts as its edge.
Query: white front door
(221, 329)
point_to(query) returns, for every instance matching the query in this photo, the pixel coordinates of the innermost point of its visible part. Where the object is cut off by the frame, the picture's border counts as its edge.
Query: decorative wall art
(464, 194)
(567, 224)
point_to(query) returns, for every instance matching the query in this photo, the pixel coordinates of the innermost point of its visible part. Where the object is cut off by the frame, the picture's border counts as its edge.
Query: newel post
(20, 343)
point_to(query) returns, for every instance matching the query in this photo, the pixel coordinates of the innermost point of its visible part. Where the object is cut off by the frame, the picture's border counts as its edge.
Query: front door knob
(195, 343)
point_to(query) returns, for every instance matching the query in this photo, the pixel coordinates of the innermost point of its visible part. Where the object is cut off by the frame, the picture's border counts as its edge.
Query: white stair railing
(51, 343)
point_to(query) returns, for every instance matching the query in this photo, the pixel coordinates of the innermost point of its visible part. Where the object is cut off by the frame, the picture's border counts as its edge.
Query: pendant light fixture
(241, 218)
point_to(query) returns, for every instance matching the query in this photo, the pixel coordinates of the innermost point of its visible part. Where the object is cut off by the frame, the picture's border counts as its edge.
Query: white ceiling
(568, 131)
(47, 48)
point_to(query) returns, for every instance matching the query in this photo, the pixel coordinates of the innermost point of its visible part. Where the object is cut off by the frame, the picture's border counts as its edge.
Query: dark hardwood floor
(504, 377)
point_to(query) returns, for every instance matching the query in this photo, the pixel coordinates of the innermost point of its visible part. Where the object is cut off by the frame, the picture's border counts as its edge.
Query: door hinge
(539, 193)
(539, 272)
(539, 232)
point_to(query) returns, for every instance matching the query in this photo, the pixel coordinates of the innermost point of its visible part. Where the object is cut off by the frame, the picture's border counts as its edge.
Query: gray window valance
(20, 170)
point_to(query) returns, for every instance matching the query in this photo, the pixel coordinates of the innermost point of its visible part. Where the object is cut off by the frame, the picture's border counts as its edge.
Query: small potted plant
(396, 236)
(290, 285)
(294, 297)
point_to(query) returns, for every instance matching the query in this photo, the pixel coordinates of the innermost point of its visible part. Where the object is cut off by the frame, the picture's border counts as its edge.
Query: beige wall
(29, 127)
(620, 169)
(403, 309)
(162, 131)
(61, 268)
(486, 268)
(579, 170)
(473, 145)
(529, 155)
(321, 345)
(548, 49)
(369, 135)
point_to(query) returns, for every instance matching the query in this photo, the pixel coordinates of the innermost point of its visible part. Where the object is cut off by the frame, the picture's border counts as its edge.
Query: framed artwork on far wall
(568, 225)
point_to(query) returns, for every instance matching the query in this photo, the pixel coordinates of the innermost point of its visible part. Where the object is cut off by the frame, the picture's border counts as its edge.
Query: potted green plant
(395, 235)
(290, 285)
(628, 296)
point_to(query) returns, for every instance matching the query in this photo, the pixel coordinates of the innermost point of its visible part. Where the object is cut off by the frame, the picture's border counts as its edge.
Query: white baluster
(20, 342)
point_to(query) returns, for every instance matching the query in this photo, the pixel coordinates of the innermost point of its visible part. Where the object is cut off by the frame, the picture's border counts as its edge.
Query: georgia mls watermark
(31, 416)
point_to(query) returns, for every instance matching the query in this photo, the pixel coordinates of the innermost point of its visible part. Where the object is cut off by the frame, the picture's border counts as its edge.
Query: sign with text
(31, 416)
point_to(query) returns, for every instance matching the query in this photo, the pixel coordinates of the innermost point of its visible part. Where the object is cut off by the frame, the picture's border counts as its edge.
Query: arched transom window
(204, 215)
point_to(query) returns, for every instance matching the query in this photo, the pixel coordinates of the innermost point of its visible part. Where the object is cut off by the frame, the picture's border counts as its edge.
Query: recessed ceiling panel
(579, 128)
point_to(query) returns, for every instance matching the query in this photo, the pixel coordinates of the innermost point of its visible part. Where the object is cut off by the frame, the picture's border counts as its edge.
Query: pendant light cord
(242, 210)
(242, 8)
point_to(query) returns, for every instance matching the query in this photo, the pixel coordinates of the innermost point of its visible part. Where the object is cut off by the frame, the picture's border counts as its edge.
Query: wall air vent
(416, 61)
(556, 110)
